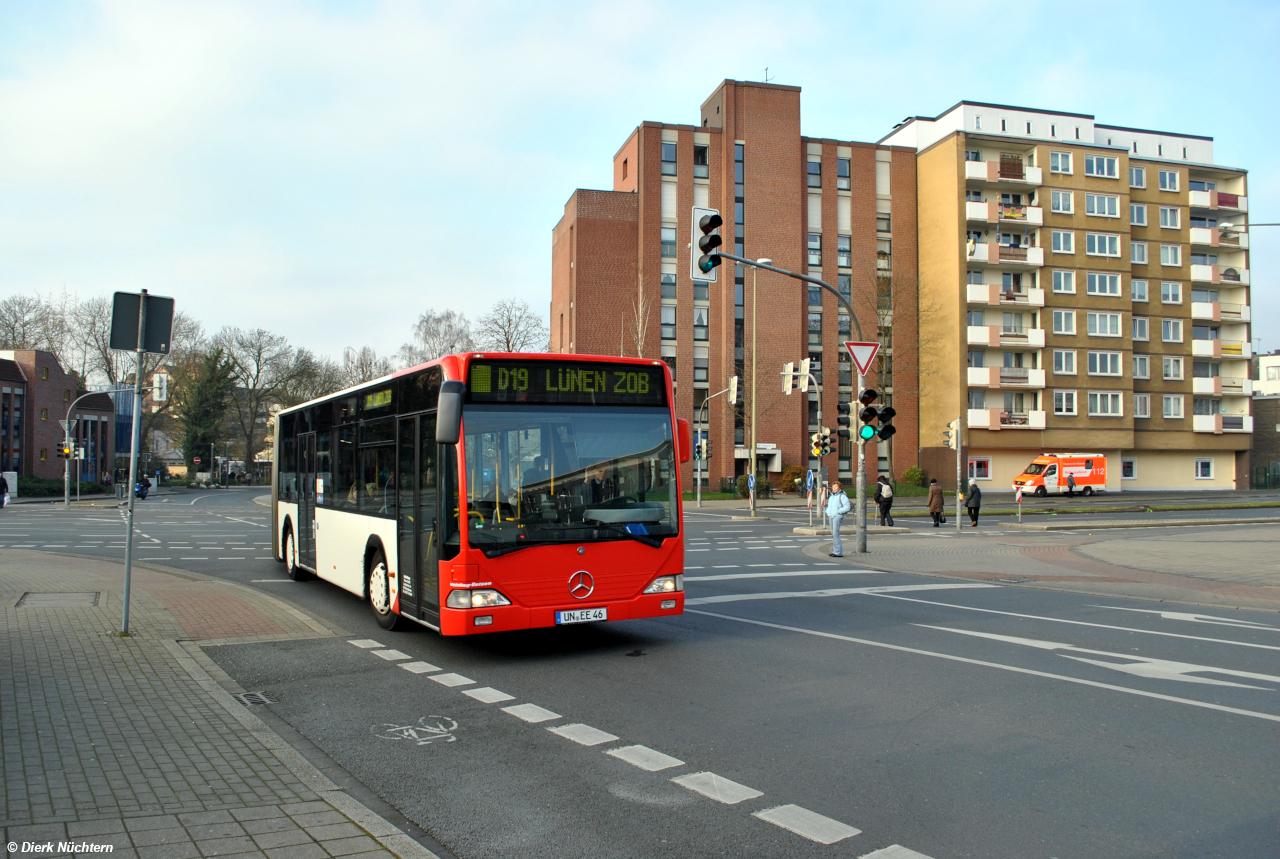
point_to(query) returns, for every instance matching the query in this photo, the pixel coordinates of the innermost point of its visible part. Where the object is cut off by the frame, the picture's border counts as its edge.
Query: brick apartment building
(840, 210)
(35, 393)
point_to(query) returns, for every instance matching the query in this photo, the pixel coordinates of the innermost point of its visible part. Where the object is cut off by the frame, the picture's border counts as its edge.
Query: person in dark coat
(884, 500)
(973, 503)
(935, 502)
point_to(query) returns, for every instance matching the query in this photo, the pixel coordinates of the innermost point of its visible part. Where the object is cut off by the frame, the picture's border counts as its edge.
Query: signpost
(808, 490)
(862, 354)
(751, 489)
(1017, 496)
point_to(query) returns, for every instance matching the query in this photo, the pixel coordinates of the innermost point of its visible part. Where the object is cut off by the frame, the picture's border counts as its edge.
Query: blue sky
(330, 169)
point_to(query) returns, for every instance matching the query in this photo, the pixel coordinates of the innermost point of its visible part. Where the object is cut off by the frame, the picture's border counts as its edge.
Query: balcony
(1219, 200)
(1225, 274)
(1221, 349)
(998, 419)
(1030, 338)
(1213, 237)
(993, 254)
(994, 295)
(1218, 424)
(1222, 386)
(1021, 377)
(992, 212)
(1216, 311)
(984, 377)
(1003, 172)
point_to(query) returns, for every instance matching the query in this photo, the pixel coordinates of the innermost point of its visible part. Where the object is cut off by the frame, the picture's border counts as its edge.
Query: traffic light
(698, 448)
(816, 441)
(706, 448)
(826, 440)
(886, 422)
(733, 390)
(868, 415)
(951, 435)
(788, 377)
(844, 420)
(160, 391)
(705, 241)
(804, 376)
(64, 452)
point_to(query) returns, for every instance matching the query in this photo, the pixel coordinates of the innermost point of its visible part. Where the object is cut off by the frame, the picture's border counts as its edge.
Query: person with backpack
(838, 504)
(884, 499)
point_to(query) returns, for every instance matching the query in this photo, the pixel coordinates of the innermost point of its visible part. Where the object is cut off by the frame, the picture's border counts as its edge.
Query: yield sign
(862, 353)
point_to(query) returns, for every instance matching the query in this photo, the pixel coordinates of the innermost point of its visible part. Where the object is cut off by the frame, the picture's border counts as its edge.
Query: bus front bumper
(473, 621)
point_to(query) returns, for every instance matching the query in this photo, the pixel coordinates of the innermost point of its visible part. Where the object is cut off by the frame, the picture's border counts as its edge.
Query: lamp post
(752, 459)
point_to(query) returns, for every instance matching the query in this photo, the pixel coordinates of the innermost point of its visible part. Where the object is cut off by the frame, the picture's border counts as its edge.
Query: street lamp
(754, 271)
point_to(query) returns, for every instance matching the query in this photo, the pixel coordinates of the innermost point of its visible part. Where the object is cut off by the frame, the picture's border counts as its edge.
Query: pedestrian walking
(1071, 486)
(4, 492)
(884, 500)
(837, 506)
(973, 503)
(935, 502)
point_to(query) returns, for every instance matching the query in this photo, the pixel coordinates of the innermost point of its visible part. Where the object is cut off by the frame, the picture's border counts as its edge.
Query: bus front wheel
(380, 591)
(291, 567)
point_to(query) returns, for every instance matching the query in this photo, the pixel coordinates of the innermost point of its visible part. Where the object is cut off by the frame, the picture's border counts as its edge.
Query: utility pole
(135, 442)
(959, 471)
(860, 544)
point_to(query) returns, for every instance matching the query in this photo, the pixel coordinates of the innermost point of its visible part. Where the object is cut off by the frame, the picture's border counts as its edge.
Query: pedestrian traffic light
(844, 420)
(951, 435)
(733, 390)
(816, 441)
(826, 440)
(706, 239)
(788, 377)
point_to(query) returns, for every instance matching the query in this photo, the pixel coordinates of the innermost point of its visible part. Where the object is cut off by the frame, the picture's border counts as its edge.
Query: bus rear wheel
(380, 591)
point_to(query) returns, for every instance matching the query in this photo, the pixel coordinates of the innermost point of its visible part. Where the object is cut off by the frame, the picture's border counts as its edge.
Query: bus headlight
(666, 585)
(486, 598)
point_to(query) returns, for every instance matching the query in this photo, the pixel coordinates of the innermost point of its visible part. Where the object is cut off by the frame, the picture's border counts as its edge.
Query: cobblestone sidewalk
(129, 742)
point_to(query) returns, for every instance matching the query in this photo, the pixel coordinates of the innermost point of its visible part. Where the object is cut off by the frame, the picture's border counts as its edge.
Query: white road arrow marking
(1195, 618)
(1140, 666)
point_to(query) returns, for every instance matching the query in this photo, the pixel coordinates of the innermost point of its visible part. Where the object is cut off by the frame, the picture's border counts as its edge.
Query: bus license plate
(582, 615)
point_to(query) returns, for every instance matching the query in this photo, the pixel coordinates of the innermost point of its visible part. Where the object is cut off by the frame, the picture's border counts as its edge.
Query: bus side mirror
(449, 413)
(684, 441)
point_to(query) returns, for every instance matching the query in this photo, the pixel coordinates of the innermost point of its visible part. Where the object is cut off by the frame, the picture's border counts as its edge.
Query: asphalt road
(957, 719)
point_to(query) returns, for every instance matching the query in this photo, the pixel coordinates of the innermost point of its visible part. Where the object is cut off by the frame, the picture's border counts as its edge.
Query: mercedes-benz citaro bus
(490, 491)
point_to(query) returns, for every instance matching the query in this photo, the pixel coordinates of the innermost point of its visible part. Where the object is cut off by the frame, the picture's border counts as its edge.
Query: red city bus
(490, 491)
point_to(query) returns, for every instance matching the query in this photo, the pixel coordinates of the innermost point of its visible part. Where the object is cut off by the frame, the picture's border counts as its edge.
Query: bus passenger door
(418, 555)
(307, 500)
(406, 528)
(428, 543)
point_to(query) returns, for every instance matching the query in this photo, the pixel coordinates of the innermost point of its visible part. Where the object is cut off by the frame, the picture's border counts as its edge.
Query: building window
(1104, 364)
(815, 296)
(1064, 281)
(1142, 405)
(1168, 180)
(815, 329)
(1097, 283)
(44, 372)
(1138, 253)
(44, 414)
(977, 358)
(1064, 322)
(1171, 330)
(844, 283)
(668, 286)
(1170, 255)
(1142, 366)
(700, 323)
(1064, 402)
(668, 159)
(973, 276)
(701, 165)
(1102, 244)
(1059, 162)
(979, 468)
(1101, 165)
(977, 318)
(66, 395)
(1105, 404)
(1128, 468)
(701, 291)
(815, 249)
(815, 174)
(1172, 368)
(1102, 205)
(1064, 362)
(1103, 324)
(668, 241)
(668, 322)
(977, 399)
(1062, 202)
(1173, 406)
(1138, 214)
(1170, 218)
(1139, 290)
(842, 174)
(700, 369)
(1137, 177)
(44, 454)
(1064, 242)
(1141, 329)
(1171, 293)
(1204, 468)
(882, 223)
(844, 251)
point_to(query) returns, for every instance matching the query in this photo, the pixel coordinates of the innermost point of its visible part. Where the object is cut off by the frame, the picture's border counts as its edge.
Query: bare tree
(363, 365)
(510, 326)
(437, 333)
(311, 377)
(641, 314)
(24, 322)
(263, 364)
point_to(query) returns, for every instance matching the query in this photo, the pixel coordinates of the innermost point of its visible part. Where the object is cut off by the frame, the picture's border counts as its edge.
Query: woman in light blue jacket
(837, 506)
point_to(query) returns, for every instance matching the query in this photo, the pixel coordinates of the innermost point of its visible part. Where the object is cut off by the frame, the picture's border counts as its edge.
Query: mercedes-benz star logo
(581, 585)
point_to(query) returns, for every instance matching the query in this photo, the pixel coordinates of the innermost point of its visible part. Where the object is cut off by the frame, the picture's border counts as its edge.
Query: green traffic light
(867, 433)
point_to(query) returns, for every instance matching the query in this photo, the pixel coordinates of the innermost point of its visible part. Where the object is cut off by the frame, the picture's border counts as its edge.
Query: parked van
(1048, 472)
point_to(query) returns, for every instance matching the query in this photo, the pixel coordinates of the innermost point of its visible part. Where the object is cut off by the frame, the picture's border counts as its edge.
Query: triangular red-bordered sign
(862, 353)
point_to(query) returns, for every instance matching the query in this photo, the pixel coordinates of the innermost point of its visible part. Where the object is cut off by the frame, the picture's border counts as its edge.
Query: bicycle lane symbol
(429, 729)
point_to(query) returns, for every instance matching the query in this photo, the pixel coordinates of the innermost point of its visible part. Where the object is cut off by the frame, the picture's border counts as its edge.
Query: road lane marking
(364, 643)
(893, 851)
(418, 667)
(808, 824)
(717, 787)
(1139, 666)
(487, 695)
(584, 735)
(645, 758)
(531, 713)
(986, 664)
(1084, 623)
(1196, 618)
(833, 592)
(782, 575)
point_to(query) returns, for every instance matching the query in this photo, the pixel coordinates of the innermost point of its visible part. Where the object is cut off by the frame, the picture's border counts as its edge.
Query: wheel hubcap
(378, 589)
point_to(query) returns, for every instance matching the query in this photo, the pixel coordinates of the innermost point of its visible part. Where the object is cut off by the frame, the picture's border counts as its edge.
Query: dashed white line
(645, 758)
(451, 679)
(808, 824)
(418, 667)
(583, 734)
(893, 851)
(531, 713)
(364, 643)
(834, 592)
(487, 695)
(782, 575)
(717, 787)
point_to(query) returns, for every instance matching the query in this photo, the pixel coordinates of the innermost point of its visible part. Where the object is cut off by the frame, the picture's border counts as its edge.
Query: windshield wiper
(639, 538)
(497, 551)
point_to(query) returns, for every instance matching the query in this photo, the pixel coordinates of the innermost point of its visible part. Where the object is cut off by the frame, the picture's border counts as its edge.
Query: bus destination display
(551, 382)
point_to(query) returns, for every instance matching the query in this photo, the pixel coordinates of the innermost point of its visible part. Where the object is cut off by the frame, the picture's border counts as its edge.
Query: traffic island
(819, 531)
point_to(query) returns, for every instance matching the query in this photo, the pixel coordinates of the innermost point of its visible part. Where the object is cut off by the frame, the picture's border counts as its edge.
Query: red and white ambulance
(1048, 473)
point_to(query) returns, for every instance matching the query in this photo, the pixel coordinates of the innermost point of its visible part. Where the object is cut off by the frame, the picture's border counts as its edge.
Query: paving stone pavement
(130, 742)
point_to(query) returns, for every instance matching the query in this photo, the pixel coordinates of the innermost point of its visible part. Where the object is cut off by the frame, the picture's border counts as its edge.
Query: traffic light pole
(701, 462)
(136, 441)
(959, 470)
(861, 540)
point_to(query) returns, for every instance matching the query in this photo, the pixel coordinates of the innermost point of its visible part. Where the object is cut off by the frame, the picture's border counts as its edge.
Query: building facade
(35, 393)
(1087, 289)
(839, 210)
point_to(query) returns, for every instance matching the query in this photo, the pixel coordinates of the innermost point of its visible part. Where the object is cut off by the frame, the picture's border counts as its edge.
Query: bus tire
(380, 591)
(291, 567)
(1088, 490)
(1040, 492)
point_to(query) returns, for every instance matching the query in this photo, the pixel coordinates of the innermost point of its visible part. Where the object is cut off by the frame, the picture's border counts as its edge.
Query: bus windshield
(1034, 468)
(557, 474)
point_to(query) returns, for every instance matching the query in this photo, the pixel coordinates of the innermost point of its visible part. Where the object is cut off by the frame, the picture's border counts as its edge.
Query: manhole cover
(59, 600)
(250, 699)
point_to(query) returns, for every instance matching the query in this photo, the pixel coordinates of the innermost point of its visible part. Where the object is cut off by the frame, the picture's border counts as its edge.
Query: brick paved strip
(1097, 525)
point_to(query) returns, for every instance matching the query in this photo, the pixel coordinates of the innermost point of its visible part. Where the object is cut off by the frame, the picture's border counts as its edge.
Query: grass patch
(710, 496)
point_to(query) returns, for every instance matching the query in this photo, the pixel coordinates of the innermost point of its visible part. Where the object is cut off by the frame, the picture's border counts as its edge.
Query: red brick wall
(50, 397)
